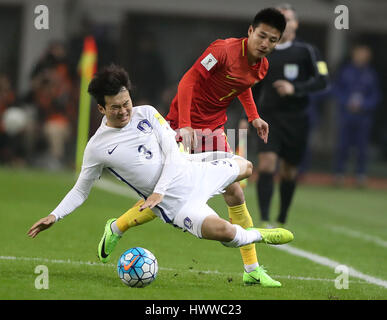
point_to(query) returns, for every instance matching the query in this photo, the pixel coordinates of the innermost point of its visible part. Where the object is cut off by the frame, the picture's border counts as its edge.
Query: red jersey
(220, 74)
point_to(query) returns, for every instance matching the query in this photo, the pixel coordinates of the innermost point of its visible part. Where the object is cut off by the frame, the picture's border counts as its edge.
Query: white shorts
(210, 178)
(191, 217)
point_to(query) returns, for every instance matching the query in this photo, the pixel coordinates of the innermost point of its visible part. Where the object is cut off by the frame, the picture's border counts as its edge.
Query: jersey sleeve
(211, 59)
(247, 101)
(91, 170)
(166, 137)
(318, 71)
(184, 96)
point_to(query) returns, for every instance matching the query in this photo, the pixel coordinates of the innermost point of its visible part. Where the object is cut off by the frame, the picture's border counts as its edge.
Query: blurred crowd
(39, 128)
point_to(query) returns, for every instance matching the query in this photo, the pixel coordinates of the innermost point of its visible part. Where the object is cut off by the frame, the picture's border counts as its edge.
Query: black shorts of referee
(288, 137)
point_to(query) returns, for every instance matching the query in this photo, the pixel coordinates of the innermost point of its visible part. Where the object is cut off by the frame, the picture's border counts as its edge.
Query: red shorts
(209, 140)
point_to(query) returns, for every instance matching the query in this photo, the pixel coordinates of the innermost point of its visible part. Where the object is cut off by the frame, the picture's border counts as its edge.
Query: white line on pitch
(330, 263)
(111, 265)
(358, 235)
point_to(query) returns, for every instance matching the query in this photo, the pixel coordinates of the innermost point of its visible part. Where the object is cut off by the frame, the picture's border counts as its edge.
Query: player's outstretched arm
(41, 225)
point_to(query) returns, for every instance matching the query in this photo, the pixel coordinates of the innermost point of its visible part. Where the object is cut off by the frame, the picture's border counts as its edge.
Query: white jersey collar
(284, 45)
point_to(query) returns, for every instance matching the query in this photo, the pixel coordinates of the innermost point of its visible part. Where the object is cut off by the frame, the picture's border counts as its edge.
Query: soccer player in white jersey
(138, 146)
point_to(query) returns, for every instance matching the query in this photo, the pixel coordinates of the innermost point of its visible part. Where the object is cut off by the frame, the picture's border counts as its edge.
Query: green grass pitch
(344, 225)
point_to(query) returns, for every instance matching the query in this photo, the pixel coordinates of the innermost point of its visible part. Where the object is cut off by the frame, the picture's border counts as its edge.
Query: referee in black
(295, 70)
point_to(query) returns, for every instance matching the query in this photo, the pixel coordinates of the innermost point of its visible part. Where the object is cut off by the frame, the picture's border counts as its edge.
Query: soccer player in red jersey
(227, 69)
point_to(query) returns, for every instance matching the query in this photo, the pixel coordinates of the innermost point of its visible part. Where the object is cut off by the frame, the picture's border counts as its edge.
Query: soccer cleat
(259, 276)
(108, 242)
(274, 236)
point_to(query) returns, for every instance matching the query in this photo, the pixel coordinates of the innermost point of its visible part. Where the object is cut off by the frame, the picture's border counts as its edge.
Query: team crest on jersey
(188, 223)
(291, 71)
(144, 126)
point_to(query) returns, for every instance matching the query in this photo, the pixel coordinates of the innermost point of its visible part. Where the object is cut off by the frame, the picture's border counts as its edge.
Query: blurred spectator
(55, 100)
(357, 91)
(55, 56)
(11, 125)
(317, 101)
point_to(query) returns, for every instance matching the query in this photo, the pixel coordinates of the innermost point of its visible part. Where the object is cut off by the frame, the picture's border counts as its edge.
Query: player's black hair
(271, 17)
(108, 82)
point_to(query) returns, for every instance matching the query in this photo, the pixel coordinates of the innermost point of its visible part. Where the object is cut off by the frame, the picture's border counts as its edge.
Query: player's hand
(262, 128)
(153, 200)
(41, 225)
(284, 87)
(189, 138)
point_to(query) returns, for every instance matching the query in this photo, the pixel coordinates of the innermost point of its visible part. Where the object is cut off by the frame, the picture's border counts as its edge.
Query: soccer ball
(137, 267)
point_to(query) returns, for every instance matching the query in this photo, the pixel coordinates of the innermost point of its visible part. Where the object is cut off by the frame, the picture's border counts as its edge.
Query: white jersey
(144, 155)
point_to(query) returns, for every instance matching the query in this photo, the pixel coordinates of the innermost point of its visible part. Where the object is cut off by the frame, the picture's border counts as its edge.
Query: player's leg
(288, 183)
(203, 222)
(199, 219)
(267, 163)
(241, 219)
(234, 198)
(233, 235)
(134, 217)
(267, 166)
(292, 153)
(239, 214)
(114, 228)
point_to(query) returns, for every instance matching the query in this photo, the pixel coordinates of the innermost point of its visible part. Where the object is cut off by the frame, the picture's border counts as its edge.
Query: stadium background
(172, 34)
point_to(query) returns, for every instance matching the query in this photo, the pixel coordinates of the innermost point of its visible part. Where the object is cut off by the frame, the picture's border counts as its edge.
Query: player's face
(118, 109)
(261, 41)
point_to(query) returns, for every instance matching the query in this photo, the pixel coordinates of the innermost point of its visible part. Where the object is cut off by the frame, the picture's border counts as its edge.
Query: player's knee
(249, 169)
(234, 195)
(267, 162)
(226, 231)
(215, 228)
(245, 168)
(288, 171)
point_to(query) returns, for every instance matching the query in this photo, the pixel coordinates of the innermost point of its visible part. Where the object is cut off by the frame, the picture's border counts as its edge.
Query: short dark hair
(271, 17)
(108, 82)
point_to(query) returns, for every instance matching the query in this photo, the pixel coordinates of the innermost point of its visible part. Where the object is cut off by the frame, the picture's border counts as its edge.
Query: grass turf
(345, 225)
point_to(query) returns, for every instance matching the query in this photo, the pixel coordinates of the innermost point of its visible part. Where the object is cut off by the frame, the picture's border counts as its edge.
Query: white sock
(115, 229)
(251, 267)
(243, 237)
